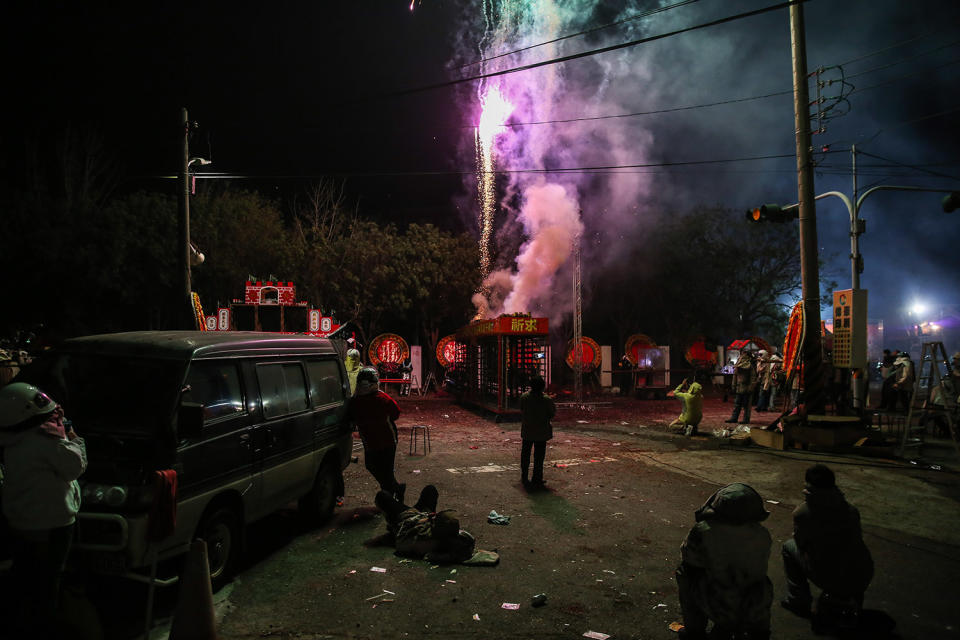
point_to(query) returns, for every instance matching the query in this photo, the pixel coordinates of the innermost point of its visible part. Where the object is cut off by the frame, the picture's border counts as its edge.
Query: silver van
(246, 422)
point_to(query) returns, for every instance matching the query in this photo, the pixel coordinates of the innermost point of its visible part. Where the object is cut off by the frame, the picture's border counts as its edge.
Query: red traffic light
(771, 213)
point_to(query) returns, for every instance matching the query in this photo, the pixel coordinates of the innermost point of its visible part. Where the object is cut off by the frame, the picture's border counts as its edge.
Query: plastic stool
(424, 431)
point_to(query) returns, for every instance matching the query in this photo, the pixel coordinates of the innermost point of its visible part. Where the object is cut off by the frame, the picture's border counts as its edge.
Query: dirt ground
(602, 543)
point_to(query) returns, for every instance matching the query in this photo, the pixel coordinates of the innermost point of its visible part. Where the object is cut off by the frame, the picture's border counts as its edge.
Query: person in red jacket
(374, 415)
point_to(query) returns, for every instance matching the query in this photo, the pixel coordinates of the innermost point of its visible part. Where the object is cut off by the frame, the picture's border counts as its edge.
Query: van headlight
(104, 494)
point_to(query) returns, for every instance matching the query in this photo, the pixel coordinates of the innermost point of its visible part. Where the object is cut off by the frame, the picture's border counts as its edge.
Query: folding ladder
(934, 395)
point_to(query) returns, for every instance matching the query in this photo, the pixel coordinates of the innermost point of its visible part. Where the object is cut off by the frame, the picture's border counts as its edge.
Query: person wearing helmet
(723, 570)
(692, 412)
(374, 414)
(903, 381)
(42, 461)
(352, 364)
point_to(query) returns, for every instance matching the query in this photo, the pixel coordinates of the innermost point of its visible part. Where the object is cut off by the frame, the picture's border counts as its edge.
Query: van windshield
(104, 394)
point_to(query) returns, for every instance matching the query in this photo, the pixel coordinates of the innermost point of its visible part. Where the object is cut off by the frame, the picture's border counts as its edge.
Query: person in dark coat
(827, 546)
(723, 571)
(375, 413)
(536, 411)
(744, 384)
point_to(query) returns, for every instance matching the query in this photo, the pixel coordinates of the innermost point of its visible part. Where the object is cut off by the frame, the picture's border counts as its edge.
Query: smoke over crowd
(704, 118)
(547, 205)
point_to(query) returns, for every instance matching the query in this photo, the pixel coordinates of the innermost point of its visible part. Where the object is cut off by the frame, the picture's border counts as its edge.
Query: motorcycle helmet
(20, 402)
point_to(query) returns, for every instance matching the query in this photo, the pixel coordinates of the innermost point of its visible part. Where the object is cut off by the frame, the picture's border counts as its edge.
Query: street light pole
(185, 316)
(814, 384)
(854, 227)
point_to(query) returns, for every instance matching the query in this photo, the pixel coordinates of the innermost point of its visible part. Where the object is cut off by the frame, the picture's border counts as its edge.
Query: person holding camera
(43, 457)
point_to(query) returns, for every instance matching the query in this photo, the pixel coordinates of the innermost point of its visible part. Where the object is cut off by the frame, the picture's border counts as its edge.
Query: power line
(909, 166)
(898, 62)
(644, 113)
(888, 48)
(581, 33)
(903, 77)
(473, 172)
(592, 52)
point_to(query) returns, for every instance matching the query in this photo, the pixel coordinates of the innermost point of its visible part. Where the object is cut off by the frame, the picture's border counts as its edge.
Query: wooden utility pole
(184, 315)
(814, 383)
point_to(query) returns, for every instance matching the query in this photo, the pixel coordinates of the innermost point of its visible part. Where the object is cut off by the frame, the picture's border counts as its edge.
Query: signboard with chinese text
(507, 325)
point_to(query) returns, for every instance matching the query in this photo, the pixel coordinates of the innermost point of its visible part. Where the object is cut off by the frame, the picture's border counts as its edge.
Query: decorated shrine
(496, 358)
(271, 306)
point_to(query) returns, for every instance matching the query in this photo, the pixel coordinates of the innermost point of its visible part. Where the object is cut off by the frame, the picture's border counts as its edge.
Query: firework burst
(495, 109)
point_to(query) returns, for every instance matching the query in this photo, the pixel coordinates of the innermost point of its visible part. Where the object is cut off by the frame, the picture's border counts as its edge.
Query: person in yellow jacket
(692, 412)
(353, 364)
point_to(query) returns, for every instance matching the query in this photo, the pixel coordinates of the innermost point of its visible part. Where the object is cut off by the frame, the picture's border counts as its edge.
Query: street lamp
(187, 254)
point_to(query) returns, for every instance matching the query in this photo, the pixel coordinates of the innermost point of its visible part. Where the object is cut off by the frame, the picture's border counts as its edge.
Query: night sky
(286, 93)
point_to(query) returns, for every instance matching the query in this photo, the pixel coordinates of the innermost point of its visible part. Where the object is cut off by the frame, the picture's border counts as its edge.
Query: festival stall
(495, 360)
(649, 365)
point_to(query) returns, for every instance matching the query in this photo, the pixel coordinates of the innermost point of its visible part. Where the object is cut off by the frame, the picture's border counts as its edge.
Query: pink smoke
(551, 220)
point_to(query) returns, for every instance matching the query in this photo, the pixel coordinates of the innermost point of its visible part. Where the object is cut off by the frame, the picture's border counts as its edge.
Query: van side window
(326, 386)
(215, 385)
(283, 388)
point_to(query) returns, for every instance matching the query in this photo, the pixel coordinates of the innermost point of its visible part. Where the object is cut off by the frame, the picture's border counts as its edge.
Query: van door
(224, 454)
(284, 440)
(327, 393)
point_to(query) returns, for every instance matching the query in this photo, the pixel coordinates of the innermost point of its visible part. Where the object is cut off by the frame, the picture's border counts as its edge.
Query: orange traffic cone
(193, 618)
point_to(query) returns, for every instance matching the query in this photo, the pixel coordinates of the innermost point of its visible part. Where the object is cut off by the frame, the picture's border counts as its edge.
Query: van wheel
(318, 505)
(220, 529)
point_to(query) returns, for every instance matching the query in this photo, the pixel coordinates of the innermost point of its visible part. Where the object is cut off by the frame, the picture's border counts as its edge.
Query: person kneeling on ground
(421, 532)
(692, 411)
(723, 573)
(827, 549)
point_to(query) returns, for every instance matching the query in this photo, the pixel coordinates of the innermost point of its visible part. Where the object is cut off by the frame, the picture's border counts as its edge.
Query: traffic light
(772, 213)
(951, 202)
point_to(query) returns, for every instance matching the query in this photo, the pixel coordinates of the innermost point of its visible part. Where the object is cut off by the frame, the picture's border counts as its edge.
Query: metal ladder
(930, 381)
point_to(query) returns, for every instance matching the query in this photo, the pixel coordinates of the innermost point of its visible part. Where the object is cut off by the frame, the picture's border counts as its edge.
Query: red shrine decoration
(271, 306)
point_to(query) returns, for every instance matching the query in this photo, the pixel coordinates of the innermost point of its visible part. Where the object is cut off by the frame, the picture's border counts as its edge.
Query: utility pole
(814, 384)
(185, 303)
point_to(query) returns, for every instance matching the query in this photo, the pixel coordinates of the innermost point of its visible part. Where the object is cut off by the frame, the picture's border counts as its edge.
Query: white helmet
(20, 401)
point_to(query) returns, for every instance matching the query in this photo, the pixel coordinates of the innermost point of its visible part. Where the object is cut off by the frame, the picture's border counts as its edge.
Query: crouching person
(723, 571)
(827, 549)
(421, 532)
(692, 413)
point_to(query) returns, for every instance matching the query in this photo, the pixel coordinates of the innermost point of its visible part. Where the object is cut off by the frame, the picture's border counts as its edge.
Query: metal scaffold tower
(577, 325)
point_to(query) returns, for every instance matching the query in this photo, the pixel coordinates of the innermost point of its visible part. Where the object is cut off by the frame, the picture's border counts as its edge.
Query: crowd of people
(722, 577)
